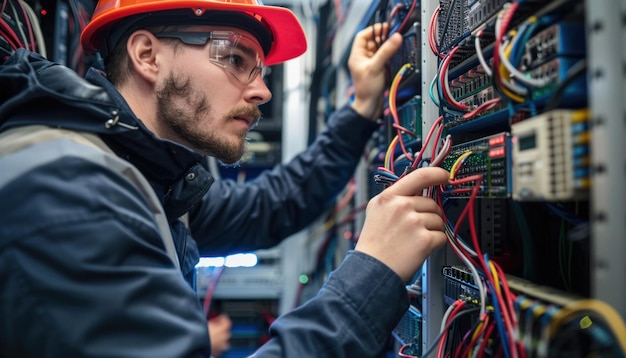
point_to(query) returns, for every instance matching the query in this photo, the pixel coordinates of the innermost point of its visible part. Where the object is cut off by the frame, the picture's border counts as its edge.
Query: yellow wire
(504, 73)
(524, 304)
(458, 161)
(496, 280)
(392, 145)
(392, 97)
(393, 87)
(538, 310)
(474, 335)
(608, 313)
(581, 115)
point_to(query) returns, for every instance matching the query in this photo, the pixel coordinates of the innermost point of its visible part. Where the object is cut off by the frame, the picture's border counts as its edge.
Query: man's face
(204, 105)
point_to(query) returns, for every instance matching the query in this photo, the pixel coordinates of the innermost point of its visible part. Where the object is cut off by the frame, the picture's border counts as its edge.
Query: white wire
(446, 316)
(517, 89)
(482, 291)
(402, 157)
(508, 84)
(20, 25)
(443, 152)
(481, 58)
(34, 22)
(446, 85)
(517, 74)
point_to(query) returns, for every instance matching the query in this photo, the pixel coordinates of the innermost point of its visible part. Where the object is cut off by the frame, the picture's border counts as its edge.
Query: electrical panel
(522, 102)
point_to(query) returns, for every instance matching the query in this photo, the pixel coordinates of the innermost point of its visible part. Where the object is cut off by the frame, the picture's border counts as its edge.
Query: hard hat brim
(289, 40)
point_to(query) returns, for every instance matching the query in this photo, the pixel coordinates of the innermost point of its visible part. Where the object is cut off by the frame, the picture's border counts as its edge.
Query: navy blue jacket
(83, 264)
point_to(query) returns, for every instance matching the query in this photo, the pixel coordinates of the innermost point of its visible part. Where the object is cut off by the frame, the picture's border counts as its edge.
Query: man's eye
(238, 61)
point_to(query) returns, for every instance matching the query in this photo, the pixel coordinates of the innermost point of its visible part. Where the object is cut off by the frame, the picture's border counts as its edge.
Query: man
(100, 179)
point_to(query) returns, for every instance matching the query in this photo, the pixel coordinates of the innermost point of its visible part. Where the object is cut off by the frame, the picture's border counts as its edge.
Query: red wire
(459, 306)
(469, 208)
(425, 143)
(473, 341)
(403, 129)
(408, 15)
(392, 156)
(506, 19)
(432, 33)
(394, 114)
(404, 355)
(505, 285)
(505, 311)
(395, 10)
(510, 300)
(443, 78)
(10, 36)
(436, 142)
(483, 344)
(208, 296)
(485, 106)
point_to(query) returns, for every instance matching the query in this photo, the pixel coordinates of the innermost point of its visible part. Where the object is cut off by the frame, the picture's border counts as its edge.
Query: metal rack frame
(606, 63)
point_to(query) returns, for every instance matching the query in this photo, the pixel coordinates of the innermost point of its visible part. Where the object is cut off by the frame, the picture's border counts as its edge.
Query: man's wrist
(366, 110)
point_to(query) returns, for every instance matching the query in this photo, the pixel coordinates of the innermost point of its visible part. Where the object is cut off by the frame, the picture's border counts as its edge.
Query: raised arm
(285, 200)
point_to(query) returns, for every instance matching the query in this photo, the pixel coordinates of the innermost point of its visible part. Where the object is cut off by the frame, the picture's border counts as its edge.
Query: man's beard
(181, 108)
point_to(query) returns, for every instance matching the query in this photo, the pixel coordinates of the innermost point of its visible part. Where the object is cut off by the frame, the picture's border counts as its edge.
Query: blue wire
(386, 174)
(500, 324)
(569, 217)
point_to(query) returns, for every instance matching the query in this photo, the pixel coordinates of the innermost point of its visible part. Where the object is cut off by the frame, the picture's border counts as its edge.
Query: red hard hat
(288, 38)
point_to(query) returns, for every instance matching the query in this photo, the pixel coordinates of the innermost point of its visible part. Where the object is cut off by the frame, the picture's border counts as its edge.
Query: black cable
(577, 69)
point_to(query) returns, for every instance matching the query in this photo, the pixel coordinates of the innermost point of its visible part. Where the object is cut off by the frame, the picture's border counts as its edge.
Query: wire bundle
(496, 301)
(19, 28)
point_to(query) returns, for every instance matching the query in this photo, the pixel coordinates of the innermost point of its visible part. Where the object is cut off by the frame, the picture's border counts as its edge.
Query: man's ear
(143, 47)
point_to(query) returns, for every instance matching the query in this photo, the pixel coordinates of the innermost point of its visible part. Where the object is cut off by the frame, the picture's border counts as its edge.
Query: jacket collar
(42, 92)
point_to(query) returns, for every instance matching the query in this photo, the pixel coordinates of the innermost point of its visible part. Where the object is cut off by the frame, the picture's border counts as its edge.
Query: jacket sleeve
(352, 316)
(83, 268)
(286, 199)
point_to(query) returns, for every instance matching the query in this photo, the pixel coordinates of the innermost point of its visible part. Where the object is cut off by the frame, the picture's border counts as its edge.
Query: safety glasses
(238, 55)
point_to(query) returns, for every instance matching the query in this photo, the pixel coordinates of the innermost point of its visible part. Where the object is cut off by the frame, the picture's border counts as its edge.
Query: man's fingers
(427, 205)
(415, 182)
(374, 32)
(388, 48)
(373, 40)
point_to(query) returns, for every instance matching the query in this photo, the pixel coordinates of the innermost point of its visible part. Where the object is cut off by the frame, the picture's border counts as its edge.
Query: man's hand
(368, 58)
(219, 332)
(402, 227)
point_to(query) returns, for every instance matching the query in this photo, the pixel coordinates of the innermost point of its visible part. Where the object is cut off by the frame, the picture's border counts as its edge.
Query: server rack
(602, 280)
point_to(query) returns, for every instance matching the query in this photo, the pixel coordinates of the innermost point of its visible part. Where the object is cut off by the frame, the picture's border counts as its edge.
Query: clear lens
(237, 54)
